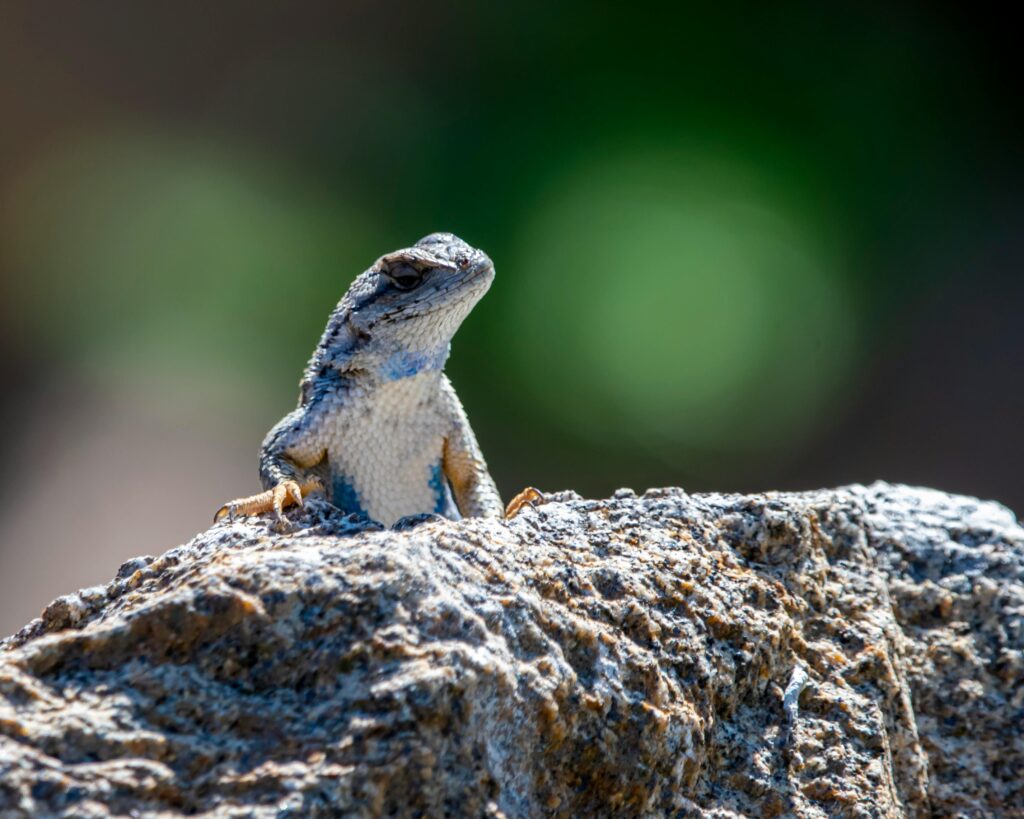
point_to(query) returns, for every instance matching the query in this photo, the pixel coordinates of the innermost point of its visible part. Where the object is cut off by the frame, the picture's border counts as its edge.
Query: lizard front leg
(463, 464)
(281, 496)
(290, 449)
(528, 497)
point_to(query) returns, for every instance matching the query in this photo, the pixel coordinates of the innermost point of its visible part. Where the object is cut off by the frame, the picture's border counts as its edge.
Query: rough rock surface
(856, 652)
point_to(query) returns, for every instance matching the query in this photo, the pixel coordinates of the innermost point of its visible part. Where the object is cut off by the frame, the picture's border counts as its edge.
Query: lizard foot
(528, 497)
(411, 521)
(284, 494)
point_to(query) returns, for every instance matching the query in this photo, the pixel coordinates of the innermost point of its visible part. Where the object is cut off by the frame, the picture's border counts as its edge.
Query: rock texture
(857, 652)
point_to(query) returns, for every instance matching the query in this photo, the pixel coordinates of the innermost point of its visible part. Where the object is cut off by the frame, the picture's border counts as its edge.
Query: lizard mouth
(464, 290)
(464, 279)
(456, 294)
(470, 287)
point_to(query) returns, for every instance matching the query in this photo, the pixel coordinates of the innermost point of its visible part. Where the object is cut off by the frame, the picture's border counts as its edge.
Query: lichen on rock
(852, 652)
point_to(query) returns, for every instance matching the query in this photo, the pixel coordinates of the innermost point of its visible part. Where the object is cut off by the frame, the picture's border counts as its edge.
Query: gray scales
(379, 430)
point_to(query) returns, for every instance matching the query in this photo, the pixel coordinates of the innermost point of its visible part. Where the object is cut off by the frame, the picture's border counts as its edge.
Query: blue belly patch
(345, 497)
(443, 503)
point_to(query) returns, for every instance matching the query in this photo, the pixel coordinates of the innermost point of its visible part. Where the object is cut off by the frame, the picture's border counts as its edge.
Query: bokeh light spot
(154, 249)
(681, 299)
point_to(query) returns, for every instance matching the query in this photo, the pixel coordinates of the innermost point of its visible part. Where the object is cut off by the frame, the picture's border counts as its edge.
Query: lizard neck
(401, 362)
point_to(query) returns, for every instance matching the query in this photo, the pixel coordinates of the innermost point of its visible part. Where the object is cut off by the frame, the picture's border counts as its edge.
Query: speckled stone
(856, 652)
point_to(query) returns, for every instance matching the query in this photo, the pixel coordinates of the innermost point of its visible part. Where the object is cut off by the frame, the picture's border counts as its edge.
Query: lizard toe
(528, 497)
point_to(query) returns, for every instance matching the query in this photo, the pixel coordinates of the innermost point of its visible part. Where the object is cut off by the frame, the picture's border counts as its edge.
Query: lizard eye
(404, 276)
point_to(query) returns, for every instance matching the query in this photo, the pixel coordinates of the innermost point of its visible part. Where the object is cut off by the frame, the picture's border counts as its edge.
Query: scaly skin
(379, 429)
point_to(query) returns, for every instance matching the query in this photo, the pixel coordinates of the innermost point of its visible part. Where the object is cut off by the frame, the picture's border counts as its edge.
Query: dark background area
(736, 250)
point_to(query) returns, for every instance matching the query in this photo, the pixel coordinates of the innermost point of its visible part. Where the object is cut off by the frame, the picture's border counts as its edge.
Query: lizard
(378, 428)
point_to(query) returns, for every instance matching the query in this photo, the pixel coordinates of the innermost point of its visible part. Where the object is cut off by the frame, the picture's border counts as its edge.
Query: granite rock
(851, 652)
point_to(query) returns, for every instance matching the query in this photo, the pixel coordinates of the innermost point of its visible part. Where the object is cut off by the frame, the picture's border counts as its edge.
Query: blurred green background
(737, 249)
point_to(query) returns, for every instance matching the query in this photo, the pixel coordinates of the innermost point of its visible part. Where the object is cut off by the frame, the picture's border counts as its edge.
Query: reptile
(378, 429)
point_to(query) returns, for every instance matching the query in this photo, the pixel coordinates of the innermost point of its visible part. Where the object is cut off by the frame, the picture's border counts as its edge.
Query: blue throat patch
(405, 363)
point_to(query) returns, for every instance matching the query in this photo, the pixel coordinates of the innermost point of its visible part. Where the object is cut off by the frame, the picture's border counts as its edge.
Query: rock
(856, 652)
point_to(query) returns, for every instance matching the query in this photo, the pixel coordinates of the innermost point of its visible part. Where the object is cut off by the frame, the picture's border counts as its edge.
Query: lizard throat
(406, 363)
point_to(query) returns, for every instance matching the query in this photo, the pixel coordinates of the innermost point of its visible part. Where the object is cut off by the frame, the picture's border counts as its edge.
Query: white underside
(401, 434)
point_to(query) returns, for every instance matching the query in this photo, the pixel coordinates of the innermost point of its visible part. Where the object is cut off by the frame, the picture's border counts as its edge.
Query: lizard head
(425, 290)
(411, 300)
(439, 273)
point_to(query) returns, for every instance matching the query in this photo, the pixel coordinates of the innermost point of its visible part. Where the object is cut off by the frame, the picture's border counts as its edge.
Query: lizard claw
(528, 497)
(284, 494)
(226, 511)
